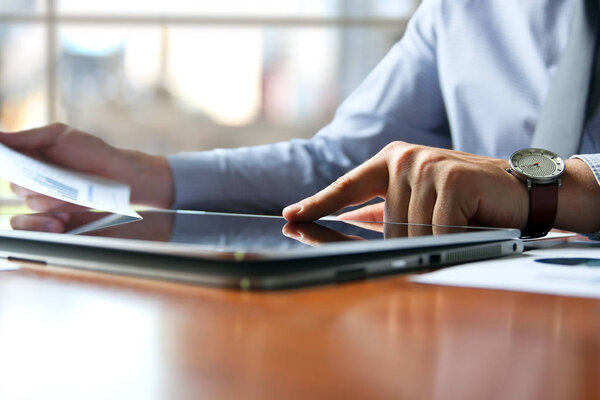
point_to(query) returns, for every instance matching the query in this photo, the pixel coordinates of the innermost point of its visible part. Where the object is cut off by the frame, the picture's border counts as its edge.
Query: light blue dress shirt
(468, 74)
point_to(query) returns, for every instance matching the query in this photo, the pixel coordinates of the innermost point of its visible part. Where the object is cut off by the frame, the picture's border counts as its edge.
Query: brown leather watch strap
(543, 202)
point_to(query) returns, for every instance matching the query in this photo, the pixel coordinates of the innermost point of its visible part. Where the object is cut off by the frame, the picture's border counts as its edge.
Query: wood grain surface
(66, 334)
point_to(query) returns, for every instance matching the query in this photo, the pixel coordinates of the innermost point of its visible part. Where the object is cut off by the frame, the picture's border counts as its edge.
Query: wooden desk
(75, 335)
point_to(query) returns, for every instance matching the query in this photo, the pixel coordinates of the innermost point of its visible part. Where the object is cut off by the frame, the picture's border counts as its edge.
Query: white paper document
(70, 186)
(8, 266)
(552, 235)
(571, 269)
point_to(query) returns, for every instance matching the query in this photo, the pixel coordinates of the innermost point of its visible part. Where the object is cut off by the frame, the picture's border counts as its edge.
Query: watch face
(537, 164)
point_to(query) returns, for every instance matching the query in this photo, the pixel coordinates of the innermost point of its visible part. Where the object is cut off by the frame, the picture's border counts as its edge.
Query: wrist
(578, 199)
(149, 177)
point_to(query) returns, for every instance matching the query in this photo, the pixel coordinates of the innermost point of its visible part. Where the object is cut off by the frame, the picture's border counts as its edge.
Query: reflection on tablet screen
(225, 231)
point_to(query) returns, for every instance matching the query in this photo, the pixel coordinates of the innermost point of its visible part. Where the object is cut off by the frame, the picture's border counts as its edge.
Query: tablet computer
(242, 250)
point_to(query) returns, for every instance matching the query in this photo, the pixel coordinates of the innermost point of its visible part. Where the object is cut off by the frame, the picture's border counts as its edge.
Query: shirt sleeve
(399, 100)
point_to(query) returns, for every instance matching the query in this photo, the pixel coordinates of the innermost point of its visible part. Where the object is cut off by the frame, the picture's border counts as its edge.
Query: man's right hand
(148, 175)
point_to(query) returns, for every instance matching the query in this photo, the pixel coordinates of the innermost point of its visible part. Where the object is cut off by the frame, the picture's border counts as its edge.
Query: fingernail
(293, 234)
(293, 209)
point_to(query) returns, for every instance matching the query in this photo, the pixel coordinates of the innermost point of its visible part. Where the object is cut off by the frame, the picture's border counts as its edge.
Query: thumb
(34, 139)
(371, 213)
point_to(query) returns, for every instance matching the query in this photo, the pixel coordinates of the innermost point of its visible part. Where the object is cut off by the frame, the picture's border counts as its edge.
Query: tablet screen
(232, 235)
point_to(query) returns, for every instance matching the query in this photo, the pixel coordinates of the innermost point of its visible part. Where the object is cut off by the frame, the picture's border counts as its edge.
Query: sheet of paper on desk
(70, 186)
(543, 270)
(8, 266)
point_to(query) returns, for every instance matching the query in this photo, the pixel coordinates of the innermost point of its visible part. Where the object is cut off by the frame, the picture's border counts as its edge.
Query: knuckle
(59, 130)
(424, 165)
(393, 146)
(453, 176)
(58, 127)
(343, 183)
(418, 161)
(402, 158)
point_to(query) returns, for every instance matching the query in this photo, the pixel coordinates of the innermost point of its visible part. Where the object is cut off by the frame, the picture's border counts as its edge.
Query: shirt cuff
(592, 161)
(197, 179)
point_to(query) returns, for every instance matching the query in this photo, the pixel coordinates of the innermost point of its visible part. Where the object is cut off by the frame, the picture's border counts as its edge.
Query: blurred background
(168, 76)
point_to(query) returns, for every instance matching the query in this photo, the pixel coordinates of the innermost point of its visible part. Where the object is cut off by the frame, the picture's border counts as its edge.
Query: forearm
(259, 179)
(148, 175)
(579, 199)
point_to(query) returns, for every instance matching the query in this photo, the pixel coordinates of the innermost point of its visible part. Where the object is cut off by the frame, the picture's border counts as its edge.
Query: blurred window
(189, 75)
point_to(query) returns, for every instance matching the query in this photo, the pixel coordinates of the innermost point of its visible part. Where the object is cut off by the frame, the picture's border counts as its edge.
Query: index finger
(363, 183)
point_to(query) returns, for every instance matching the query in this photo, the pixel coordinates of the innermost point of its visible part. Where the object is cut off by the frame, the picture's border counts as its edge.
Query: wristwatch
(541, 171)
